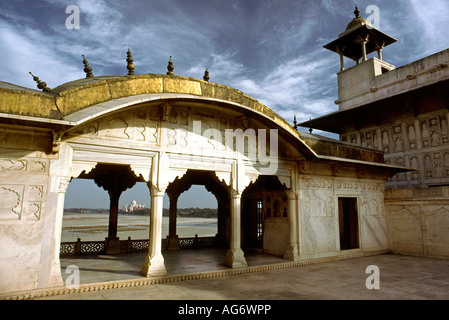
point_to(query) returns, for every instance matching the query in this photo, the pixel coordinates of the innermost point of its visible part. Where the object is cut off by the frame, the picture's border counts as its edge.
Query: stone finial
(295, 124)
(170, 67)
(40, 84)
(206, 75)
(310, 126)
(130, 65)
(357, 12)
(87, 68)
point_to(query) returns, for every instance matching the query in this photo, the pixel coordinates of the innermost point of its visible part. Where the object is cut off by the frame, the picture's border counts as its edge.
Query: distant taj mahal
(133, 206)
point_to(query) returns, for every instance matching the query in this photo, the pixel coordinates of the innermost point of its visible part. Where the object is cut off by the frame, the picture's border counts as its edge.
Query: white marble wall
(319, 226)
(23, 190)
(418, 221)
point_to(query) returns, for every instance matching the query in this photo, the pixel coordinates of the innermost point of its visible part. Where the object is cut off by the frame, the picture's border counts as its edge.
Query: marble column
(342, 62)
(50, 266)
(221, 220)
(154, 262)
(173, 241)
(115, 180)
(112, 241)
(379, 53)
(234, 256)
(292, 253)
(59, 178)
(363, 42)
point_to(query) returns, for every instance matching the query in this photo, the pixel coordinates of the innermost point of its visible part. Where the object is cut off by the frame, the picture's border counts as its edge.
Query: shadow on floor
(127, 266)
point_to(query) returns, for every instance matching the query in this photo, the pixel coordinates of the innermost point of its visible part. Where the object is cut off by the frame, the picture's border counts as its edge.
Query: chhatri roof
(359, 29)
(357, 22)
(410, 90)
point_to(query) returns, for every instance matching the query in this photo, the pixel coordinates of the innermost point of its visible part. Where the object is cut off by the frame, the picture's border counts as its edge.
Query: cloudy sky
(270, 50)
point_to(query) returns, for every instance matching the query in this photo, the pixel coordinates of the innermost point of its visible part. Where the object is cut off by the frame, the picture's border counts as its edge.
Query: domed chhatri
(358, 21)
(358, 40)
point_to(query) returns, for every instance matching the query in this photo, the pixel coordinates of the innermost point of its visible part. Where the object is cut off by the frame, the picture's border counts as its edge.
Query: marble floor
(400, 278)
(101, 268)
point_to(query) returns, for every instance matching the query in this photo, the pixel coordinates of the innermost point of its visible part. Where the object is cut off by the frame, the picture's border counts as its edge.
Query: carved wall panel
(411, 136)
(369, 139)
(37, 166)
(318, 204)
(425, 133)
(28, 165)
(386, 139)
(444, 129)
(11, 201)
(22, 200)
(419, 142)
(139, 125)
(13, 165)
(436, 235)
(405, 228)
(400, 161)
(419, 225)
(372, 207)
(35, 192)
(398, 139)
(444, 164)
(33, 210)
(345, 185)
(117, 127)
(317, 183)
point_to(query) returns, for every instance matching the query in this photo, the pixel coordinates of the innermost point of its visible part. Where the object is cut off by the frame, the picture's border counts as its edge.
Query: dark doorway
(264, 213)
(348, 222)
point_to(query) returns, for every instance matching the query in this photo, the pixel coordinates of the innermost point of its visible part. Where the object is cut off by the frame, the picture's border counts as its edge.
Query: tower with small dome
(391, 109)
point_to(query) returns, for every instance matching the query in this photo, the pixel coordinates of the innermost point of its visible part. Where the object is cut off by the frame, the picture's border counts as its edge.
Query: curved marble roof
(75, 102)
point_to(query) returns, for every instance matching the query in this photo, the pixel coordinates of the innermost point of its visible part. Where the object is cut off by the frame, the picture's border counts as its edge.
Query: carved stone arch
(189, 177)
(286, 181)
(214, 185)
(142, 171)
(224, 177)
(79, 168)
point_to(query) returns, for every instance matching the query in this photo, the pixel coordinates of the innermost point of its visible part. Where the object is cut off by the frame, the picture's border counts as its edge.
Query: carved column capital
(234, 194)
(292, 195)
(156, 191)
(63, 184)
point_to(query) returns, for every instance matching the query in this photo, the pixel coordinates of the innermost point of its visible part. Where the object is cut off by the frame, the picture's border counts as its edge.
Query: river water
(94, 227)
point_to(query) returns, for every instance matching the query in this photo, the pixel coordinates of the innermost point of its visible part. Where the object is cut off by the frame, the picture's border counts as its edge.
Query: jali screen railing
(126, 246)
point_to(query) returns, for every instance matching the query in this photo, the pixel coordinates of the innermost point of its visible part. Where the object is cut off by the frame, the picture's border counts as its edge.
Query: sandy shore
(94, 227)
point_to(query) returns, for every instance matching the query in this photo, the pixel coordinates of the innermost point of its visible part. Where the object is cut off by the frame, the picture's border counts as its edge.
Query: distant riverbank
(93, 226)
(182, 212)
